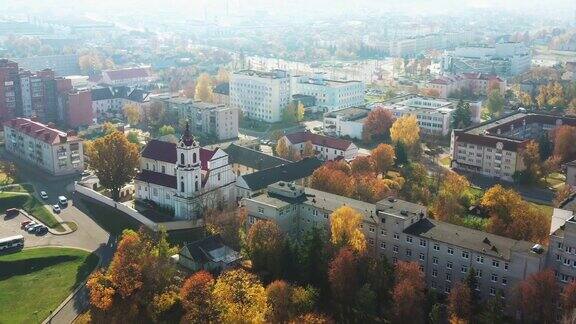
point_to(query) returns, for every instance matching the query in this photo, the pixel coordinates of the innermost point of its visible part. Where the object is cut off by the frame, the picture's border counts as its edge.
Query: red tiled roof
(331, 142)
(439, 81)
(161, 179)
(40, 131)
(131, 73)
(166, 152)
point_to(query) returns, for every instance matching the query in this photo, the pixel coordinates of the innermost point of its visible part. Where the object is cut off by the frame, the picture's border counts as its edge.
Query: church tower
(188, 175)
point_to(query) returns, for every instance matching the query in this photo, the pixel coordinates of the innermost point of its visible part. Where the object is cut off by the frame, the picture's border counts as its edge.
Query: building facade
(327, 148)
(108, 102)
(260, 95)
(185, 177)
(347, 122)
(478, 84)
(216, 120)
(330, 94)
(494, 148)
(53, 151)
(10, 99)
(401, 231)
(62, 65)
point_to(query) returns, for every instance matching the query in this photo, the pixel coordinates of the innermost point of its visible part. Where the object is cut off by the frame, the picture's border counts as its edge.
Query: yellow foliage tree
(241, 298)
(204, 88)
(132, 113)
(345, 229)
(282, 149)
(308, 150)
(223, 76)
(406, 130)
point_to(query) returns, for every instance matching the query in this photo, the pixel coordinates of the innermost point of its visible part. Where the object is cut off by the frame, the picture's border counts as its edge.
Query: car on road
(27, 226)
(63, 200)
(56, 208)
(12, 212)
(43, 195)
(33, 228)
(24, 223)
(42, 230)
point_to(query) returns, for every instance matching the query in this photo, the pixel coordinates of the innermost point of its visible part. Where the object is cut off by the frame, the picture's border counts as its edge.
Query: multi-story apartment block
(10, 100)
(494, 148)
(108, 102)
(221, 93)
(505, 59)
(260, 95)
(53, 151)
(217, 120)
(562, 244)
(62, 65)
(347, 122)
(327, 148)
(414, 45)
(476, 83)
(401, 231)
(330, 94)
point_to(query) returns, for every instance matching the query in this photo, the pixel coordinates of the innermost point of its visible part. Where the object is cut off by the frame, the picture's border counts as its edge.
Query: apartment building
(221, 93)
(108, 102)
(347, 122)
(494, 148)
(401, 231)
(327, 148)
(562, 256)
(260, 95)
(414, 45)
(9, 90)
(51, 150)
(130, 77)
(330, 94)
(62, 65)
(478, 84)
(504, 59)
(217, 120)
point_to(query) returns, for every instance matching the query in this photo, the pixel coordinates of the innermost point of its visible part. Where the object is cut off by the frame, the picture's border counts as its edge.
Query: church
(185, 177)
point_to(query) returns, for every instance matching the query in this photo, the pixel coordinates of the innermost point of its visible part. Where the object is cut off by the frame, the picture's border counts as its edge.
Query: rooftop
(320, 140)
(40, 131)
(285, 172)
(351, 113)
(274, 74)
(252, 158)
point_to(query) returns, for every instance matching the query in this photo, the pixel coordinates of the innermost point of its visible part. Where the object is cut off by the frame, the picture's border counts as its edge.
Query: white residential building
(53, 151)
(327, 148)
(217, 120)
(260, 95)
(347, 122)
(505, 59)
(108, 102)
(130, 77)
(475, 83)
(330, 94)
(185, 177)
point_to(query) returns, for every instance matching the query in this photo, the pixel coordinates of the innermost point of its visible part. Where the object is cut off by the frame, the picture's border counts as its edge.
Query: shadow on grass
(9, 269)
(86, 268)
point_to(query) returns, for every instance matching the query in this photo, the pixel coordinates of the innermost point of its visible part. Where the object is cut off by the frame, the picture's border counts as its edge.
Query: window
(465, 254)
(464, 269)
(506, 265)
(421, 267)
(558, 257)
(396, 236)
(434, 273)
(181, 186)
(196, 185)
(408, 252)
(504, 281)
(409, 239)
(421, 257)
(395, 248)
(447, 290)
(163, 169)
(448, 277)
(494, 277)
(371, 241)
(261, 210)
(478, 273)
(371, 229)
(422, 242)
(383, 232)
(449, 265)
(492, 291)
(436, 247)
(564, 278)
(495, 263)
(181, 158)
(479, 259)
(566, 262)
(383, 245)
(435, 260)
(450, 251)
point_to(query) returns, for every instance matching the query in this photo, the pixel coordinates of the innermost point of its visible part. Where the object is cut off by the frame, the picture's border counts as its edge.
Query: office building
(260, 95)
(49, 149)
(478, 84)
(347, 122)
(62, 65)
(327, 148)
(504, 59)
(330, 94)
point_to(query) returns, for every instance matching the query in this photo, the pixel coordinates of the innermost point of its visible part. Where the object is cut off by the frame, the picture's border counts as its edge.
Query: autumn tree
(132, 113)
(227, 223)
(264, 243)
(345, 229)
(568, 298)
(383, 156)
(204, 88)
(8, 172)
(197, 299)
(495, 103)
(293, 113)
(406, 130)
(331, 178)
(154, 114)
(449, 202)
(312, 318)
(564, 139)
(562, 194)
(240, 297)
(166, 130)
(114, 159)
(531, 157)
(223, 76)
(377, 125)
(542, 290)
(279, 293)
(493, 310)
(308, 150)
(361, 165)
(282, 149)
(513, 217)
(408, 295)
(460, 302)
(189, 90)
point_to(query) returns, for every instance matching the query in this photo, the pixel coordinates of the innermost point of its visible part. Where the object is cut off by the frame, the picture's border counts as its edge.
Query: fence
(169, 226)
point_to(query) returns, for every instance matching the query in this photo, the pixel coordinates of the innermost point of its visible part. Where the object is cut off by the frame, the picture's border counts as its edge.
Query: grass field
(35, 281)
(30, 205)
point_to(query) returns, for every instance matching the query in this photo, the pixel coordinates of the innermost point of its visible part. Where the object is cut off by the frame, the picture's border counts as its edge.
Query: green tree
(265, 243)
(495, 103)
(166, 130)
(493, 310)
(461, 116)
(401, 153)
(133, 137)
(114, 159)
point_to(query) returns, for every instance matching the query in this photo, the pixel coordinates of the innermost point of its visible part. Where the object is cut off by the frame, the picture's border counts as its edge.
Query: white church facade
(185, 177)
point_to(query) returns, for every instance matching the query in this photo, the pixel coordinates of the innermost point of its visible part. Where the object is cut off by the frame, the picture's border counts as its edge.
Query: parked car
(32, 223)
(12, 212)
(63, 200)
(42, 230)
(24, 223)
(33, 228)
(43, 195)
(56, 208)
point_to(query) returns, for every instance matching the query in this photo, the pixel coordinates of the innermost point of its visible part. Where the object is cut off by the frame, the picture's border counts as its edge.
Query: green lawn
(30, 205)
(110, 219)
(35, 281)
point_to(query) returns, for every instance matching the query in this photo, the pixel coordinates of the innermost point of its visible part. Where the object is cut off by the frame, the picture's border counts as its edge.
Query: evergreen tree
(401, 153)
(461, 116)
(493, 310)
(546, 146)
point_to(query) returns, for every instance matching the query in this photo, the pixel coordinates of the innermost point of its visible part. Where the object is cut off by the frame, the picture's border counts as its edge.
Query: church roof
(187, 137)
(166, 152)
(161, 179)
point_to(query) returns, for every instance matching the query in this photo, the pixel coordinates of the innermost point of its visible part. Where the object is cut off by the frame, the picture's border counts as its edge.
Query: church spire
(187, 137)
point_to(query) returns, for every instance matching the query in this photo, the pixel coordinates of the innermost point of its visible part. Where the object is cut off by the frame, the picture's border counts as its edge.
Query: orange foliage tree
(383, 156)
(564, 138)
(343, 275)
(361, 165)
(264, 243)
(408, 293)
(448, 202)
(537, 298)
(460, 302)
(377, 125)
(197, 300)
